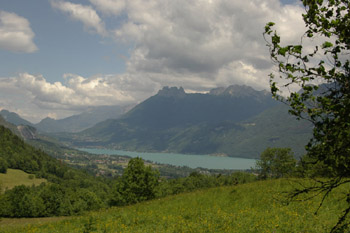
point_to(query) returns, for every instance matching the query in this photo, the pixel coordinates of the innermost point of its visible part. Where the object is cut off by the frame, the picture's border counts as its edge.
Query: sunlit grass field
(15, 177)
(253, 207)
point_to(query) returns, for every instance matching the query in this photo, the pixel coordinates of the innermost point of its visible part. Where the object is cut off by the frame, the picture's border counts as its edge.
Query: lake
(192, 161)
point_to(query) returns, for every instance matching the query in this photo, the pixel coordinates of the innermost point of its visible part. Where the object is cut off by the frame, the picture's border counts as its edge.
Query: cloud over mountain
(75, 94)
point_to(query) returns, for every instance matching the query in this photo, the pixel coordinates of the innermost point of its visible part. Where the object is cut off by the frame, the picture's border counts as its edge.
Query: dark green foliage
(323, 74)
(3, 165)
(13, 202)
(47, 200)
(18, 155)
(138, 183)
(70, 191)
(198, 180)
(276, 163)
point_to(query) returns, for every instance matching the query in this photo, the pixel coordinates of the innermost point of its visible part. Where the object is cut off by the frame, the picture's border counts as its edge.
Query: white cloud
(197, 44)
(33, 92)
(86, 14)
(201, 43)
(16, 34)
(109, 7)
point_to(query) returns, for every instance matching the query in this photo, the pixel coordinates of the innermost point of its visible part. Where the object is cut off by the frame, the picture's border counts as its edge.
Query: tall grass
(252, 207)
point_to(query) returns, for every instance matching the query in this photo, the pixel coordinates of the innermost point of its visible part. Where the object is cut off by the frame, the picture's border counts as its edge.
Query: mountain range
(234, 121)
(73, 123)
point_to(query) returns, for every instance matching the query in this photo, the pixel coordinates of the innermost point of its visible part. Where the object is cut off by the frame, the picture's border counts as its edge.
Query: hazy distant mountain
(14, 118)
(236, 121)
(43, 142)
(25, 131)
(73, 123)
(9, 125)
(82, 121)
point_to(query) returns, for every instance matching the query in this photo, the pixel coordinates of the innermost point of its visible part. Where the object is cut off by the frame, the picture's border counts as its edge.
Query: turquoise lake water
(192, 161)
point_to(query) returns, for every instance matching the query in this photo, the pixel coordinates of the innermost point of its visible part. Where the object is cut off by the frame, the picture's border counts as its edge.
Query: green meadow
(14, 177)
(253, 207)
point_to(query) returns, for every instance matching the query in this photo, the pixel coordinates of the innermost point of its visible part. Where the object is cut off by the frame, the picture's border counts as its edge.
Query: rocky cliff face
(239, 91)
(172, 92)
(27, 132)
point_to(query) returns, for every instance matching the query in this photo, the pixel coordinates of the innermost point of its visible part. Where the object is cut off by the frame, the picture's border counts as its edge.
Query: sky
(59, 57)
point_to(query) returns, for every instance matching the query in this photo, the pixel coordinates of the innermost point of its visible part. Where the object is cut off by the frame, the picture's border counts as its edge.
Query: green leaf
(297, 49)
(282, 51)
(327, 44)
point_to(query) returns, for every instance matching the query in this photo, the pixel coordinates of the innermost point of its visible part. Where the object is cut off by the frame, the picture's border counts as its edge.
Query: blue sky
(59, 57)
(63, 45)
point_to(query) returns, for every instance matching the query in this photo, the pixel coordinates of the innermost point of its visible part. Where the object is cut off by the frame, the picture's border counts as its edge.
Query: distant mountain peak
(4, 111)
(48, 119)
(172, 92)
(6, 114)
(84, 120)
(14, 118)
(237, 91)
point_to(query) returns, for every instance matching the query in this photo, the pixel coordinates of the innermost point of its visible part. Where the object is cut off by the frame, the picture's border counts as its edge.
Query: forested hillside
(69, 191)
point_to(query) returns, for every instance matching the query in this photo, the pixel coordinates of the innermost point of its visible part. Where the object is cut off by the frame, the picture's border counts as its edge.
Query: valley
(190, 155)
(175, 116)
(236, 122)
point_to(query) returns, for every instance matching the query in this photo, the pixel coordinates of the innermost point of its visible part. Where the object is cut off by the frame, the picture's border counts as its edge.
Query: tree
(276, 163)
(138, 183)
(13, 200)
(323, 74)
(3, 165)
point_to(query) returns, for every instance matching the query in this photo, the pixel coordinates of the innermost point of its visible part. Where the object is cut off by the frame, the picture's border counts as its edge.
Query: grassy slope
(15, 177)
(254, 207)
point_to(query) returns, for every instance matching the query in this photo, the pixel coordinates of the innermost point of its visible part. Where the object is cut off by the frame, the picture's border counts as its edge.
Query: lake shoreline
(162, 152)
(177, 159)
